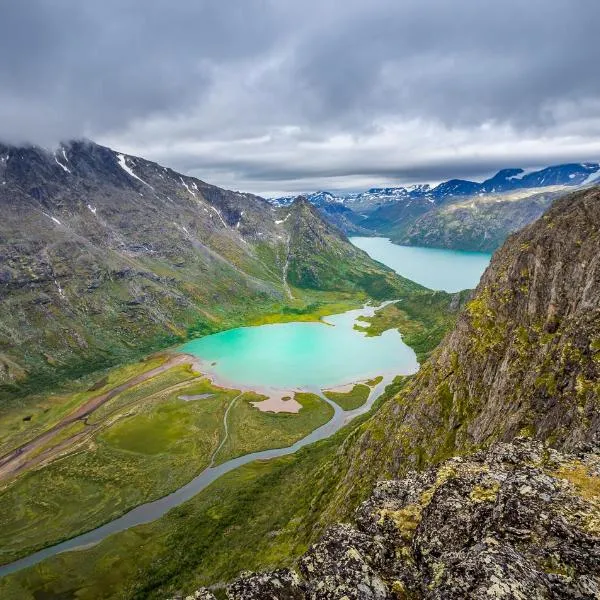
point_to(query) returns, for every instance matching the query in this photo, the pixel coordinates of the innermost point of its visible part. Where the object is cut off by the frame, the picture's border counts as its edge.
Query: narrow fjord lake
(435, 268)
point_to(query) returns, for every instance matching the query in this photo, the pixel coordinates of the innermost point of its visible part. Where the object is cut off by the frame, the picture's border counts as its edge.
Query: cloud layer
(275, 97)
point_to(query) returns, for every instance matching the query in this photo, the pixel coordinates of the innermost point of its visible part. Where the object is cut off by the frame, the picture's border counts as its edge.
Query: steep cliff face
(525, 355)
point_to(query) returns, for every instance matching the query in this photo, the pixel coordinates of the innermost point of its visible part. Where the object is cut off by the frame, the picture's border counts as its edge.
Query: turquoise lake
(302, 355)
(320, 355)
(435, 268)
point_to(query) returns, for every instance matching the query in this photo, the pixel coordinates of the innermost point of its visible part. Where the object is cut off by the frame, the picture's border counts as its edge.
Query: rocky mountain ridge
(457, 214)
(506, 180)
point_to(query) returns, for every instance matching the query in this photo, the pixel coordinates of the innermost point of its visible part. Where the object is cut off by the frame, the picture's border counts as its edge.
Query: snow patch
(592, 176)
(92, 209)
(237, 226)
(60, 290)
(53, 218)
(218, 215)
(523, 173)
(63, 167)
(282, 220)
(185, 185)
(129, 171)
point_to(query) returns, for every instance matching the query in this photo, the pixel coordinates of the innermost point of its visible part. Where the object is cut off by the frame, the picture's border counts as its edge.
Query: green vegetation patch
(131, 459)
(252, 430)
(259, 516)
(355, 398)
(20, 424)
(423, 318)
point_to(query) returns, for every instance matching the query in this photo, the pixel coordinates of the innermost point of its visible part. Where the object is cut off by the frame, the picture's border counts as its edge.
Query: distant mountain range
(506, 180)
(456, 213)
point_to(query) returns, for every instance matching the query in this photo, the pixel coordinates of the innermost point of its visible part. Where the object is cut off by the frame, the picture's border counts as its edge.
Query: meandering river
(308, 356)
(145, 513)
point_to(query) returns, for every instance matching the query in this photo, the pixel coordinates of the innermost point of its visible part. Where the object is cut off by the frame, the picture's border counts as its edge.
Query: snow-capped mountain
(506, 180)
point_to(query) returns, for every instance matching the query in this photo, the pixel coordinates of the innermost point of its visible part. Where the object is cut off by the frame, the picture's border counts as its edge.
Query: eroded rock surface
(519, 521)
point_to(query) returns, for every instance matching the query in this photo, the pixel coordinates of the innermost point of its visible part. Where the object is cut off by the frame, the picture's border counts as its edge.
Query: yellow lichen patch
(485, 493)
(438, 569)
(587, 485)
(399, 590)
(406, 520)
(591, 522)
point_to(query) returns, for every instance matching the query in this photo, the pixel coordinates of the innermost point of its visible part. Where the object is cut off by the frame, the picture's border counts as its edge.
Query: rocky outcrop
(525, 355)
(520, 521)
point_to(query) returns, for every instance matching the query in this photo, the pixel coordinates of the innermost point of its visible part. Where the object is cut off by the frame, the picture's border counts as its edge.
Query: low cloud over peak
(274, 97)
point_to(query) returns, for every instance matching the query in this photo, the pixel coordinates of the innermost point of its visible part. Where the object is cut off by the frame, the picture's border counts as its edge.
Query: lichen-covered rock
(282, 584)
(344, 564)
(518, 522)
(201, 594)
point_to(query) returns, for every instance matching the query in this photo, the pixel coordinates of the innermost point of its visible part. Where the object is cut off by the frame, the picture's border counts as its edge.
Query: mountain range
(105, 256)
(458, 214)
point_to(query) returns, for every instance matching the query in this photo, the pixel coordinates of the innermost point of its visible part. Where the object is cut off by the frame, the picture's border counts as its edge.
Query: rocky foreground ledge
(520, 521)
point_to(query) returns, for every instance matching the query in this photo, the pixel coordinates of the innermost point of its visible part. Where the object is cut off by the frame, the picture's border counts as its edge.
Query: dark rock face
(283, 584)
(520, 521)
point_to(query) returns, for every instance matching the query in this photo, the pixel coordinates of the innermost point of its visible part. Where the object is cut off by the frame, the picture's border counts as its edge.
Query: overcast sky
(284, 96)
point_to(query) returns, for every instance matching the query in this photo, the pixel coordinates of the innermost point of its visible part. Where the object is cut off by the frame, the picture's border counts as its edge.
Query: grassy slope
(25, 421)
(423, 318)
(355, 398)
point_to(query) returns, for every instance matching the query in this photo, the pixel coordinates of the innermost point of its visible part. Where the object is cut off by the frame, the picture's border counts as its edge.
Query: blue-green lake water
(303, 355)
(435, 268)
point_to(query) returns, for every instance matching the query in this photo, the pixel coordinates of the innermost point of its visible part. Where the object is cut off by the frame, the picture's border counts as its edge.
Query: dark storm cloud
(69, 68)
(267, 91)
